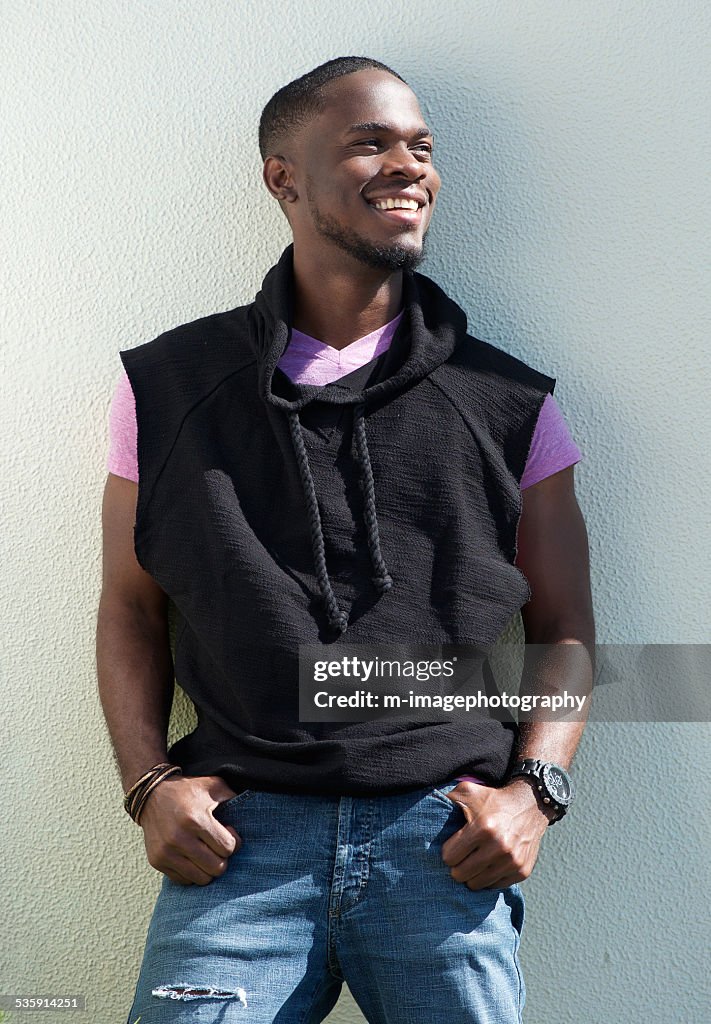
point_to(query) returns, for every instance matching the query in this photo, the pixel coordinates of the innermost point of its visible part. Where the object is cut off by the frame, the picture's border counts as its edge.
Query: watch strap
(532, 767)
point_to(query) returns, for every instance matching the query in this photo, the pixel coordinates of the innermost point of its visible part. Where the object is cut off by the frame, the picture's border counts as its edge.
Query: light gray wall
(573, 226)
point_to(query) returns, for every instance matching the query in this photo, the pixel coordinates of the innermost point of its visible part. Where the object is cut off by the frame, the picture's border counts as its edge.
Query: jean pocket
(440, 793)
(238, 798)
(516, 901)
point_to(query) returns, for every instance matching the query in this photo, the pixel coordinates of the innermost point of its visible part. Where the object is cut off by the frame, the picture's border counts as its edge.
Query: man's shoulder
(205, 335)
(490, 386)
(473, 357)
(473, 354)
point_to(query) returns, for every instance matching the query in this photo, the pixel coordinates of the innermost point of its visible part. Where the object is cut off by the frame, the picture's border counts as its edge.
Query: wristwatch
(553, 784)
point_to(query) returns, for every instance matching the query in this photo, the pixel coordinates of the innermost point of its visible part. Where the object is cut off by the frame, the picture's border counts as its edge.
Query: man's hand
(499, 844)
(183, 839)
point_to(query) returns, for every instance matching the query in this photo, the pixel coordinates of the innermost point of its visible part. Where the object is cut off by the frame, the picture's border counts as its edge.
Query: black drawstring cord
(337, 618)
(382, 580)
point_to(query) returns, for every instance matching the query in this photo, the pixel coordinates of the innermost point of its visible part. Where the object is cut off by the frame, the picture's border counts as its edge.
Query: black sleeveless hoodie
(381, 508)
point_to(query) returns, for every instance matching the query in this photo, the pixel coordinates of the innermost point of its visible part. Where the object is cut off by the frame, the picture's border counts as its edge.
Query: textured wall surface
(573, 226)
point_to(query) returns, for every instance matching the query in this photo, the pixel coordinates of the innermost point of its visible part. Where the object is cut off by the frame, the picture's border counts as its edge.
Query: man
(336, 462)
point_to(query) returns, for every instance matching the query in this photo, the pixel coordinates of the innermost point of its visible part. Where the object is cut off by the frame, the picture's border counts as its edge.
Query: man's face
(364, 173)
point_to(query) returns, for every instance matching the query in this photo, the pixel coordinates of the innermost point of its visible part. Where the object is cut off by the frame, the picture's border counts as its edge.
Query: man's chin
(391, 257)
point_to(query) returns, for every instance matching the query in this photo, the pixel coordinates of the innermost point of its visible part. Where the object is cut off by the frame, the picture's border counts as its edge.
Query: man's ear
(277, 174)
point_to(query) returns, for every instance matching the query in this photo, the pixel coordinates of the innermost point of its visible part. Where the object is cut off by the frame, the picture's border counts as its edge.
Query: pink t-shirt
(309, 361)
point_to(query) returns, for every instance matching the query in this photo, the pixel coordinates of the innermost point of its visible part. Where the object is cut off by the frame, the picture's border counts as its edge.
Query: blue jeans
(327, 889)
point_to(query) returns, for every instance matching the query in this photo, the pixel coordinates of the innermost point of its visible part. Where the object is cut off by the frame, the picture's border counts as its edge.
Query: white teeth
(395, 204)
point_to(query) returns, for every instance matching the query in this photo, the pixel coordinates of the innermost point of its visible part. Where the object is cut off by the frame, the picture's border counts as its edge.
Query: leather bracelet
(136, 797)
(148, 789)
(139, 782)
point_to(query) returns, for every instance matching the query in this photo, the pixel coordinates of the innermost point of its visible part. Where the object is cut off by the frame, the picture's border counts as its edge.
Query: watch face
(558, 784)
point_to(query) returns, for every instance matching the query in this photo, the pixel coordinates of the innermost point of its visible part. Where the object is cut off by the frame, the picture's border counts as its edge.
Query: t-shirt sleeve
(122, 457)
(552, 447)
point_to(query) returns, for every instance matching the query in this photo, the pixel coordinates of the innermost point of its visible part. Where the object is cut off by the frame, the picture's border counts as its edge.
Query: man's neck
(339, 302)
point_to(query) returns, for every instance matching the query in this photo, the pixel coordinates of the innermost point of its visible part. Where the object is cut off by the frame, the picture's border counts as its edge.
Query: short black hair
(296, 103)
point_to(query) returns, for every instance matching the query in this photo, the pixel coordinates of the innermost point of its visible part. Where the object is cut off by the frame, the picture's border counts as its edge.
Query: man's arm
(133, 657)
(135, 675)
(499, 844)
(553, 554)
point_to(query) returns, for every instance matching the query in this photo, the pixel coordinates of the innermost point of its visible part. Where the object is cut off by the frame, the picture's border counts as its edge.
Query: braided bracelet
(143, 778)
(140, 794)
(137, 795)
(139, 801)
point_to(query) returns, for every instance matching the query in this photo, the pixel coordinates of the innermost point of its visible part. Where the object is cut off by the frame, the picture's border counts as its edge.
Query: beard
(381, 256)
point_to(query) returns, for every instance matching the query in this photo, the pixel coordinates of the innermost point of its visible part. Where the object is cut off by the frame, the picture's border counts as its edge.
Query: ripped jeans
(325, 890)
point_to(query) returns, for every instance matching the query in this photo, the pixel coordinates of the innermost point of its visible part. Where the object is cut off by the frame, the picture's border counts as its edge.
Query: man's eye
(426, 146)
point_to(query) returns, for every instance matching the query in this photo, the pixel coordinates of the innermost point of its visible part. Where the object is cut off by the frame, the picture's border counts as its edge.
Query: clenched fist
(183, 839)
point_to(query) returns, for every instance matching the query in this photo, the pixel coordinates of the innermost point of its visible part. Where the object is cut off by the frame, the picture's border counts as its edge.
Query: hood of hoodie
(433, 323)
(433, 320)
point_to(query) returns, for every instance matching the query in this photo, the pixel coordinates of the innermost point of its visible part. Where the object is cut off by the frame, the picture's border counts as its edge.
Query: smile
(398, 211)
(395, 203)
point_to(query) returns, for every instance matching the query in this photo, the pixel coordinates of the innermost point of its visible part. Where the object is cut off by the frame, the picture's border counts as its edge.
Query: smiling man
(337, 462)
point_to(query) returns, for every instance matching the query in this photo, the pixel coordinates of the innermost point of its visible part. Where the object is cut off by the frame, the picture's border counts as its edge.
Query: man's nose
(401, 160)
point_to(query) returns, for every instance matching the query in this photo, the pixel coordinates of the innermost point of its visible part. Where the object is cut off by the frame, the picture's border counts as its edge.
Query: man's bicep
(553, 554)
(124, 579)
